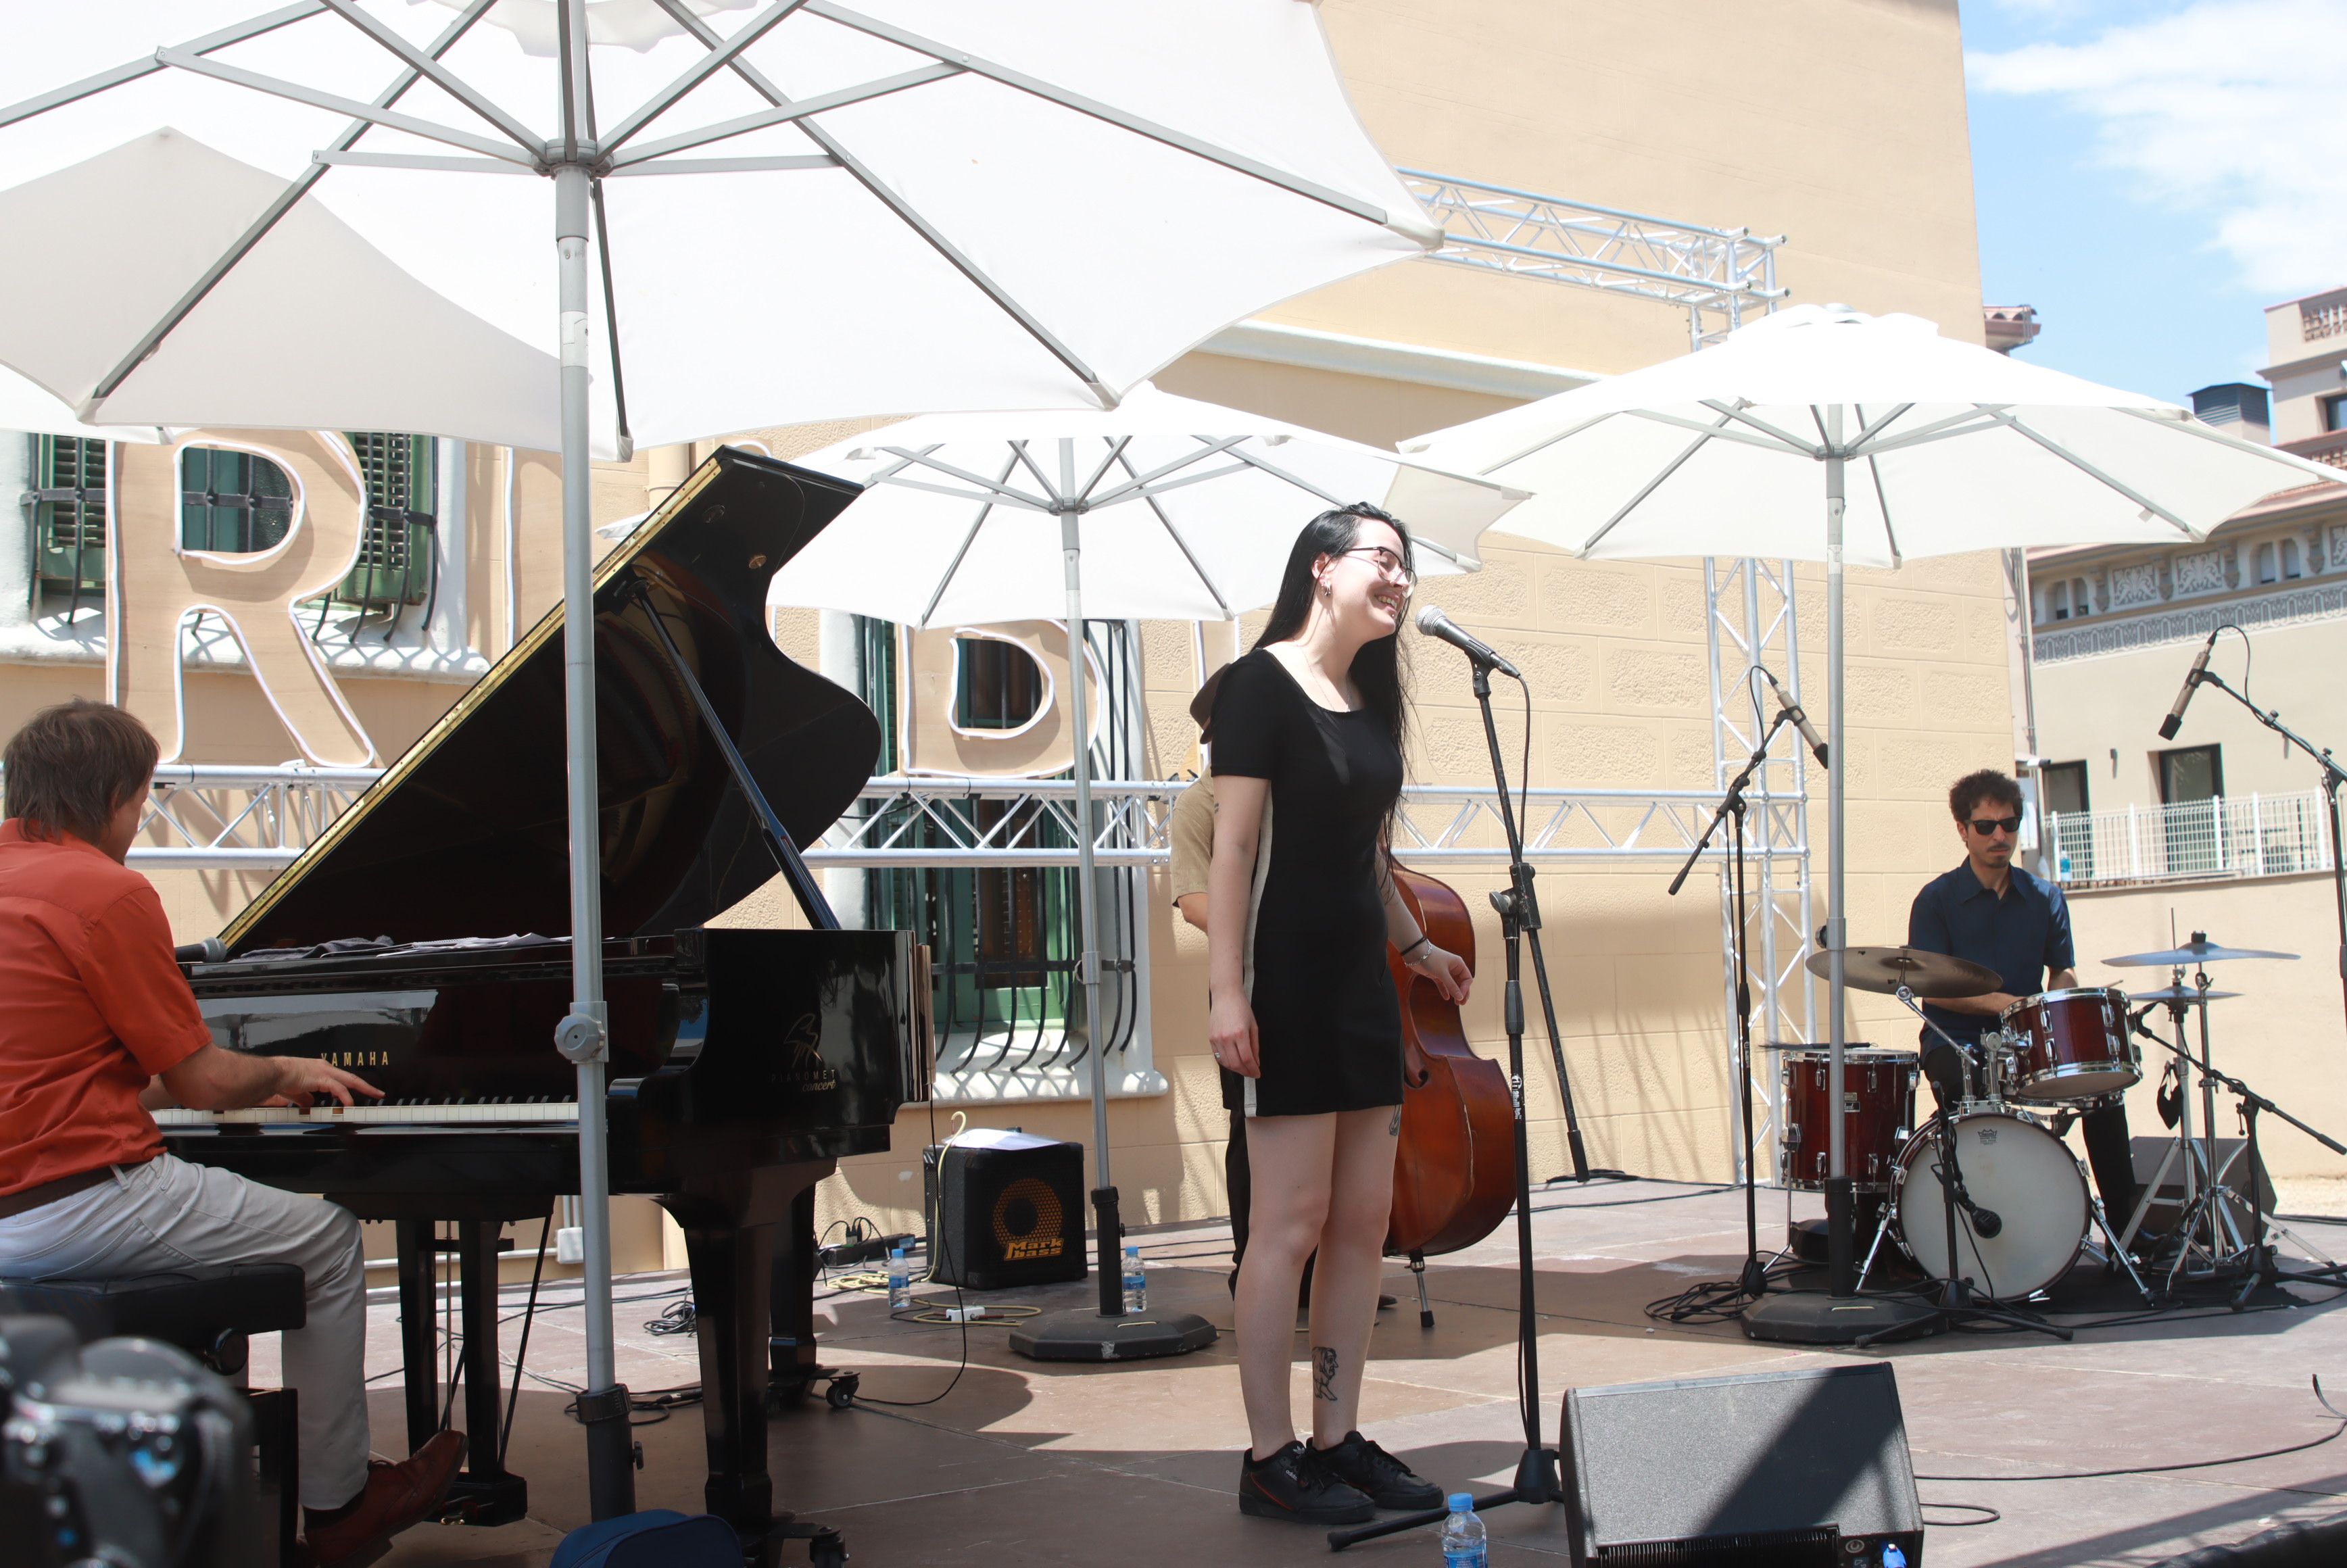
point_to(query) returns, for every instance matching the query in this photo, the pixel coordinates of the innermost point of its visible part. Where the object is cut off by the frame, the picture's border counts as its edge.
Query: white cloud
(2231, 110)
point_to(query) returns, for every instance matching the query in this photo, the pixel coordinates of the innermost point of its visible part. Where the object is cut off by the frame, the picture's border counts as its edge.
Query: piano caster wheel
(839, 1396)
(784, 1396)
(827, 1551)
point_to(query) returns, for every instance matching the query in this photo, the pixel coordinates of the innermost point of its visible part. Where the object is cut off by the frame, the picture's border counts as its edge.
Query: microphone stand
(1752, 1284)
(2333, 775)
(1536, 1474)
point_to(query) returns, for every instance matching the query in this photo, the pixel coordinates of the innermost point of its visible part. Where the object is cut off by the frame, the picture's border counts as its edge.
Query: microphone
(1793, 712)
(1986, 1223)
(207, 951)
(1433, 623)
(2175, 720)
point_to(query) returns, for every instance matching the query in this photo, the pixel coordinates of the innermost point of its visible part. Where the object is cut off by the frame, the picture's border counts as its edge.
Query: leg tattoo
(1324, 1372)
(1393, 1130)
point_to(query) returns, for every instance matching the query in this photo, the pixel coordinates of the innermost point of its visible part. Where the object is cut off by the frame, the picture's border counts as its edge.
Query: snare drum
(2071, 1045)
(1878, 1098)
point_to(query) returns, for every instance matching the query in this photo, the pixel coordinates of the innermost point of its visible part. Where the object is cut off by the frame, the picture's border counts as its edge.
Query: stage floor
(1027, 1462)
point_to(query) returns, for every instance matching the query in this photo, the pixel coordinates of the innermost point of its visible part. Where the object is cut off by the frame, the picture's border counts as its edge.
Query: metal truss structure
(1751, 621)
(1716, 275)
(216, 817)
(220, 818)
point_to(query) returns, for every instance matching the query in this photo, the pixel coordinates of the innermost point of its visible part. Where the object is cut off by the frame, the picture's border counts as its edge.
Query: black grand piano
(411, 943)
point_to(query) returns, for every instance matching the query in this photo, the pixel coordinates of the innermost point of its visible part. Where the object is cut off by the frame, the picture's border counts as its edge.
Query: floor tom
(1878, 1094)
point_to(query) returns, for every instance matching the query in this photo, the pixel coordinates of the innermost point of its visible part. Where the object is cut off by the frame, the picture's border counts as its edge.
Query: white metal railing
(2226, 836)
(215, 817)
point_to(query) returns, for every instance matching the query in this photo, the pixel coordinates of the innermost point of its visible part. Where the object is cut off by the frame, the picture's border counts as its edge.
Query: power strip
(872, 1249)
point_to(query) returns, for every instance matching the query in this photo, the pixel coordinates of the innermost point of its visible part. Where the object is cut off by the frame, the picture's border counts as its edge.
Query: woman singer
(1302, 1013)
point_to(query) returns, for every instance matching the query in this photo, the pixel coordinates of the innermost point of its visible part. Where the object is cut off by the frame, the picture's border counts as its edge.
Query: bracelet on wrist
(1423, 940)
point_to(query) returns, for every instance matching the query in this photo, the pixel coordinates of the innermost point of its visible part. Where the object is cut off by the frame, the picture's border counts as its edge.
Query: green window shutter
(394, 564)
(68, 517)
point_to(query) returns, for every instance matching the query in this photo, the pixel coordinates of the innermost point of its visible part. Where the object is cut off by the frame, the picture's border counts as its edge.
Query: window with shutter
(396, 560)
(232, 503)
(67, 506)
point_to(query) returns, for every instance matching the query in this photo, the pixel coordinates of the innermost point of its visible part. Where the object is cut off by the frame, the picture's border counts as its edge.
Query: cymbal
(2176, 993)
(1925, 974)
(2198, 950)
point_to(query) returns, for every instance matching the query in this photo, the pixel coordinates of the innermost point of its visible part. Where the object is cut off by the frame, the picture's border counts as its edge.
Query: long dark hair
(1381, 669)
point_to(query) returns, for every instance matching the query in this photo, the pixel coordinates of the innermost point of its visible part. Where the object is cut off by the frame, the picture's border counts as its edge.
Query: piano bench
(209, 1310)
(206, 1309)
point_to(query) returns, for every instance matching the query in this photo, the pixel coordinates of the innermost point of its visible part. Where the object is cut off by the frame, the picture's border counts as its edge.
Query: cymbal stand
(2263, 1265)
(1956, 1300)
(2196, 1173)
(1752, 1283)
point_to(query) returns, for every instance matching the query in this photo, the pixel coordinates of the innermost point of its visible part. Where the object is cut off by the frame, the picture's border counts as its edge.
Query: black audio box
(1002, 1219)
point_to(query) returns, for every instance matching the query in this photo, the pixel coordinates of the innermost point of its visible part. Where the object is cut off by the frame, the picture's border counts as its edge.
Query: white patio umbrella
(1821, 432)
(337, 214)
(1163, 509)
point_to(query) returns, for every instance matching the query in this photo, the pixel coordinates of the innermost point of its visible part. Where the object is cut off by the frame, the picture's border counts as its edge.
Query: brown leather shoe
(397, 1496)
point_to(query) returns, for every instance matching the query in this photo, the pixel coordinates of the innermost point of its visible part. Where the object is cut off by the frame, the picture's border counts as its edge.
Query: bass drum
(2018, 1171)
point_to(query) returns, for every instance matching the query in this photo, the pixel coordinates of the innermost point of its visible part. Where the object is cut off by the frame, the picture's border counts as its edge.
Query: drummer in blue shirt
(1995, 914)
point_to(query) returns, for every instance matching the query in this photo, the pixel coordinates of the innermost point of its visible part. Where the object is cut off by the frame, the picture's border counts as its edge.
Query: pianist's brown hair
(73, 765)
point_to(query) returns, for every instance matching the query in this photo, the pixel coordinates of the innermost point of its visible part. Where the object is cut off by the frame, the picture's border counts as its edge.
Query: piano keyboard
(464, 1113)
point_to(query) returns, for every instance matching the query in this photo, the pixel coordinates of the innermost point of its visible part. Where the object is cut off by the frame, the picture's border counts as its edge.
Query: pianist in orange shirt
(100, 1025)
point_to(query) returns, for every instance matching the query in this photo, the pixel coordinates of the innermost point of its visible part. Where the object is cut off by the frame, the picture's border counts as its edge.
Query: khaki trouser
(166, 1214)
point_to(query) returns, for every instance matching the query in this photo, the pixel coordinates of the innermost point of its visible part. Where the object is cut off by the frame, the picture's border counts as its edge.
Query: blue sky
(2151, 174)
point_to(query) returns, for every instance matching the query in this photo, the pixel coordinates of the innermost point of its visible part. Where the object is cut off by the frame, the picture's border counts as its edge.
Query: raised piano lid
(466, 835)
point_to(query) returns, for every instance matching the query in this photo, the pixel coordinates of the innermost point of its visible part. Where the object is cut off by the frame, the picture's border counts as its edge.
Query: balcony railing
(2238, 836)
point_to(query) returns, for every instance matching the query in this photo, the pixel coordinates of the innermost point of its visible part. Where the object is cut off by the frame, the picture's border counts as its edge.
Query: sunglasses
(1985, 826)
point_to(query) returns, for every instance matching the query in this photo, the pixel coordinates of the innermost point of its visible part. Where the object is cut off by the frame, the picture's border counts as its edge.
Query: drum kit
(1984, 1195)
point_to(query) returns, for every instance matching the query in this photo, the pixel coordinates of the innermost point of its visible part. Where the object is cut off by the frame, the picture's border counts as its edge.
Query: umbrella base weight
(1080, 1334)
(1813, 1318)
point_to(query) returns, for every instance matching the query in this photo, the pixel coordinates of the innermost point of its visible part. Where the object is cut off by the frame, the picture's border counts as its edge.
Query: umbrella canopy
(800, 210)
(1185, 512)
(580, 225)
(1163, 507)
(1950, 447)
(1823, 433)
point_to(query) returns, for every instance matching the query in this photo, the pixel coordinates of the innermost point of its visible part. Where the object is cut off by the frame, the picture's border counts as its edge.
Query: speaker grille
(1028, 1221)
(1818, 1548)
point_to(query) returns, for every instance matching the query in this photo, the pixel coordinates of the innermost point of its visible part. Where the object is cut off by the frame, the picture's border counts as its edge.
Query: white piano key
(509, 1113)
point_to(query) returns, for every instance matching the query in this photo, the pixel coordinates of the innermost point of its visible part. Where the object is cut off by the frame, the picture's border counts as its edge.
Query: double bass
(1455, 1170)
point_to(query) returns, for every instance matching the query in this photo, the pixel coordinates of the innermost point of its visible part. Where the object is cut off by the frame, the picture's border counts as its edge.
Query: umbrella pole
(1108, 1247)
(1840, 1242)
(583, 1035)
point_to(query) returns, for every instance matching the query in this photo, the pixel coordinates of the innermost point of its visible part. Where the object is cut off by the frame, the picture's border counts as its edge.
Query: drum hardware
(2217, 1196)
(2208, 1236)
(1940, 1138)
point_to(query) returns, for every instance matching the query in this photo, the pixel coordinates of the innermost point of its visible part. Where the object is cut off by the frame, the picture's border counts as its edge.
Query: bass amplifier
(1777, 1470)
(1000, 1219)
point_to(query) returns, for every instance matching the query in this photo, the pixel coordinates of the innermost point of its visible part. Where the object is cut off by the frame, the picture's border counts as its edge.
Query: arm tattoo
(1324, 1372)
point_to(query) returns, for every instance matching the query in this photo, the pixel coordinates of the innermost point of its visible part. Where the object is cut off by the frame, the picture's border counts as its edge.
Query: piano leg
(419, 1349)
(488, 1495)
(729, 1264)
(790, 1343)
(733, 1240)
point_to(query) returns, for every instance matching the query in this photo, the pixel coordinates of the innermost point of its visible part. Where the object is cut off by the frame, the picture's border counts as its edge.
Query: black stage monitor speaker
(1006, 1218)
(1779, 1470)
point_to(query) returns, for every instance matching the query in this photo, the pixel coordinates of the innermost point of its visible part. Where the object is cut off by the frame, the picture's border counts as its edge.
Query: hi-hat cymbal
(2198, 950)
(1925, 974)
(2176, 993)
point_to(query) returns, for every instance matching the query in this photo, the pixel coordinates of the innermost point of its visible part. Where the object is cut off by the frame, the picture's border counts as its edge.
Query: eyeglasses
(1386, 562)
(1985, 825)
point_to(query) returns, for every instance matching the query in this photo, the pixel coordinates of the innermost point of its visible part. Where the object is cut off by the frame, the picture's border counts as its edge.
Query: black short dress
(1327, 1025)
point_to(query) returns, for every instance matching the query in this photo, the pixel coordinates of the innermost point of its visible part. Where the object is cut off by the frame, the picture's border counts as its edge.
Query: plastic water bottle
(1463, 1544)
(1136, 1282)
(900, 1280)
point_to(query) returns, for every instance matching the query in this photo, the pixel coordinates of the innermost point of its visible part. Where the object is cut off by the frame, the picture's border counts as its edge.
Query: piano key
(483, 1113)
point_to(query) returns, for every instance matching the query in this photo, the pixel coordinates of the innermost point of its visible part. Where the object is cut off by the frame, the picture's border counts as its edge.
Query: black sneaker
(1294, 1484)
(1367, 1468)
